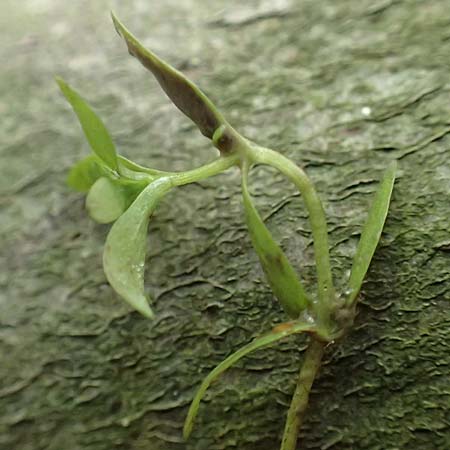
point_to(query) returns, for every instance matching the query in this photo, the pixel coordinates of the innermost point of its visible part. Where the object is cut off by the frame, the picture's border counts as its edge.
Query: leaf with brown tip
(187, 97)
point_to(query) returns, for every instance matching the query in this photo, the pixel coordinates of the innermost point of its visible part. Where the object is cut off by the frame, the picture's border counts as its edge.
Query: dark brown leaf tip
(184, 93)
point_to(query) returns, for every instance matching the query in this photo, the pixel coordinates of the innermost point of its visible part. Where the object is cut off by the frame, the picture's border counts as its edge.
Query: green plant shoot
(121, 191)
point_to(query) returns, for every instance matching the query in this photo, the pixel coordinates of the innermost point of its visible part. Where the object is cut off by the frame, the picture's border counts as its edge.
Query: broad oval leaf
(85, 173)
(106, 201)
(275, 335)
(279, 273)
(93, 127)
(184, 93)
(371, 233)
(125, 248)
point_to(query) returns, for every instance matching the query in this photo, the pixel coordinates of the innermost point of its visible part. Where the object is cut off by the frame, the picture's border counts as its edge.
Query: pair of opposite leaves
(120, 189)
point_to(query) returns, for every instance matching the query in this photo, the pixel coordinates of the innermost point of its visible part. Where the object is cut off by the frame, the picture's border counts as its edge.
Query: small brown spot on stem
(282, 327)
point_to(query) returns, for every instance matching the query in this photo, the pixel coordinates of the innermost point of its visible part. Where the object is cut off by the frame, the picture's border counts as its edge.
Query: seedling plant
(121, 191)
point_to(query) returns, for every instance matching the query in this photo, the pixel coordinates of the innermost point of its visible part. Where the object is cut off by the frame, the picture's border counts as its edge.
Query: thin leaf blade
(125, 248)
(273, 336)
(188, 98)
(279, 273)
(371, 233)
(93, 127)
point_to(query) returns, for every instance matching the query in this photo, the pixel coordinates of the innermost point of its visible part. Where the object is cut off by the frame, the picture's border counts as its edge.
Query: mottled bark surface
(342, 87)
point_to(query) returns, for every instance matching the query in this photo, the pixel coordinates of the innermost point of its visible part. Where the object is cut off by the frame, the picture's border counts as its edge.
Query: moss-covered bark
(341, 87)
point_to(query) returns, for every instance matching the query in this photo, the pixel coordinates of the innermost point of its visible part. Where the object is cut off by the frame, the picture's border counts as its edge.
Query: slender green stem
(276, 334)
(208, 170)
(317, 219)
(310, 367)
(128, 165)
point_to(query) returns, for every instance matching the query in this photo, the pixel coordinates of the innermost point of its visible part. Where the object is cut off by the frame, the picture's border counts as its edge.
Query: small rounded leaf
(106, 201)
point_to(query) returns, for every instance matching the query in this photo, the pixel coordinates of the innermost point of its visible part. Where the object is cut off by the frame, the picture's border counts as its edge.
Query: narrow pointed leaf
(184, 93)
(93, 127)
(85, 173)
(275, 335)
(371, 233)
(125, 248)
(279, 273)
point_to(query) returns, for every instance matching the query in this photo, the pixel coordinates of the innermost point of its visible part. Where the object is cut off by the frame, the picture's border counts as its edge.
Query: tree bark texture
(342, 87)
